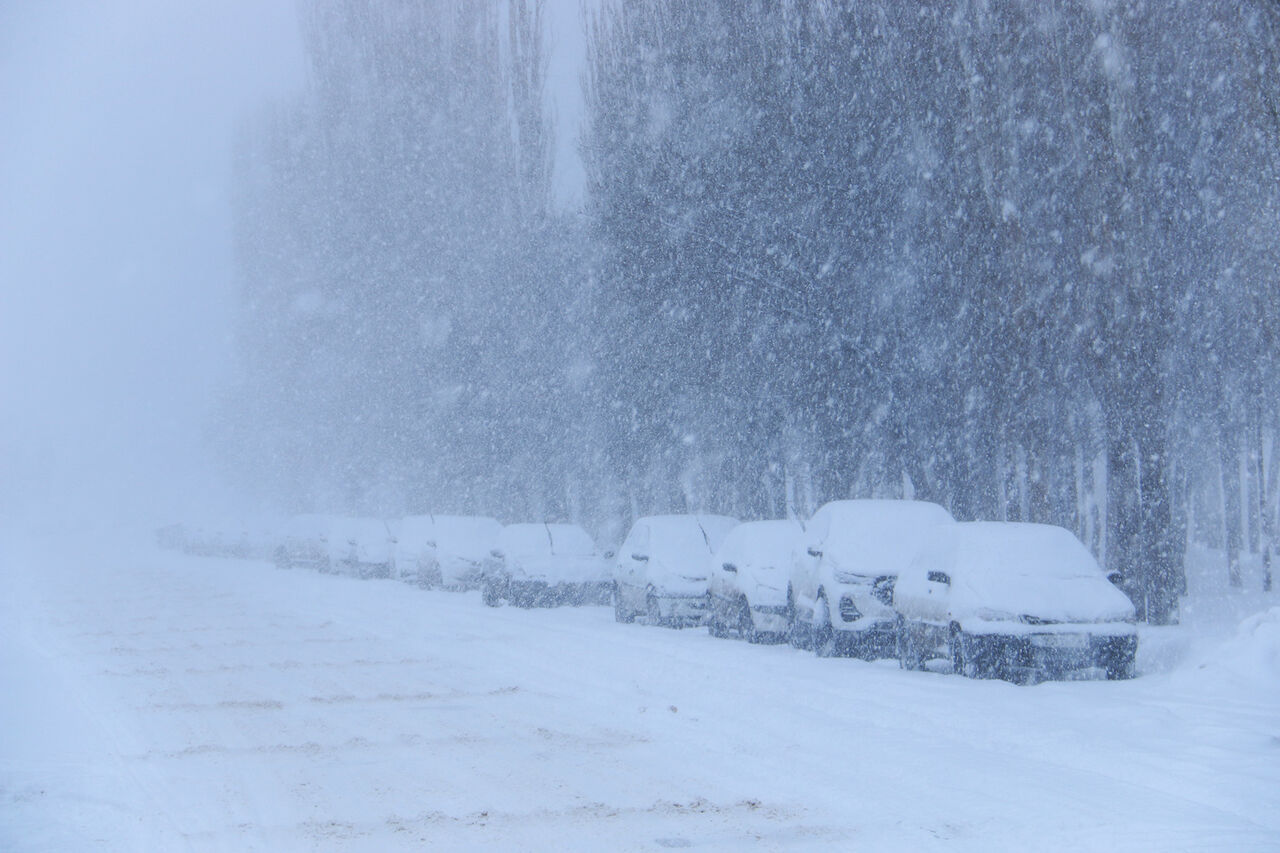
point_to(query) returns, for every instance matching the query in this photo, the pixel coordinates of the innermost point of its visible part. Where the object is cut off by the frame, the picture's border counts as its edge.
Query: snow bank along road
(163, 702)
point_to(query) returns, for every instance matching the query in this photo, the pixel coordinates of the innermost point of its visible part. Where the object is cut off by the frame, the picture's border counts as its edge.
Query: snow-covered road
(159, 702)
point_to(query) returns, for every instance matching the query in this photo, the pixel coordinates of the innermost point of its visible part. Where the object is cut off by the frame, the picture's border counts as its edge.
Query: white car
(748, 581)
(1013, 600)
(444, 550)
(546, 565)
(361, 547)
(661, 568)
(304, 543)
(844, 568)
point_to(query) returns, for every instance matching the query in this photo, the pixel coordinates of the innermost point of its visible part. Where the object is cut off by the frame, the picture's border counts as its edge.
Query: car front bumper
(682, 609)
(541, 593)
(1055, 655)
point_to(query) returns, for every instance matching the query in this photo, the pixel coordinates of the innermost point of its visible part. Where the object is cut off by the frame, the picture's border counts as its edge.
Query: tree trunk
(1229, 465)
(1123, 519)
(1266, 520)
(1162, 540)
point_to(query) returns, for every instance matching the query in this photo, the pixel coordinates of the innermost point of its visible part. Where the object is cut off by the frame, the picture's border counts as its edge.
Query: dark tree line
(1020, 258)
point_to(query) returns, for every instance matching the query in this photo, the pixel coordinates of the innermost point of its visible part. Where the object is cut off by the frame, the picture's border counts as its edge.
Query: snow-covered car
(361, 547)
(546, 565)
(748, 581)
(661, 568)
(444, 550)
(304, 543)
(844, 568)
(1013, 600)
(413, 553)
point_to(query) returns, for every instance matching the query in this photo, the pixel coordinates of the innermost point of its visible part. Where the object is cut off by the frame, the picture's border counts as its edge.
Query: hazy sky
(115, 260)
(116, 278)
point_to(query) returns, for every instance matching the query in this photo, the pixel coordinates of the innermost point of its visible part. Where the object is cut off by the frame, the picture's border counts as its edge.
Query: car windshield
(678, 537)
(464, 535)
(1012, 551)
(541, 540)
(878, 537)
(766, 544)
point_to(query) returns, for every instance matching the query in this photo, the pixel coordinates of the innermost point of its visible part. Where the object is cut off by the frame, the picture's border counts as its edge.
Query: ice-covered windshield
(1005, 551)
(678, 536)
(767, 544)
(542, 540)
(877, 537)
(465, 535)
(570, 540)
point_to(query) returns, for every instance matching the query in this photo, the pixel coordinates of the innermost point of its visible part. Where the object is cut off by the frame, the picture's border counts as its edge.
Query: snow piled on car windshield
(876, 537)
(536, 540)
(761, 543)
(465, 534)
(678, 536)
(1007, 550)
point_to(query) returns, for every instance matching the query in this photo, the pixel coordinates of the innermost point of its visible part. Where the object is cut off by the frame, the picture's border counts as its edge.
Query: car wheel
(909, 657)
(1120, 670)
(620, 612)
(824, 636)
(794, 638)
(652, 613)
(715, 627)
(964, 655)
(955, 650)
(746, 625)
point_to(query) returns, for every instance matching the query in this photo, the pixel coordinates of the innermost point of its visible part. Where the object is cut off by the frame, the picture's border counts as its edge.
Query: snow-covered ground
(151, 701)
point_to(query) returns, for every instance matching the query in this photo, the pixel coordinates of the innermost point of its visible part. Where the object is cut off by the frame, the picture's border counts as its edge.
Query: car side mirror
(813, 552)
(1116, 578)
(940, 577)
(729, 567)
(644, 558)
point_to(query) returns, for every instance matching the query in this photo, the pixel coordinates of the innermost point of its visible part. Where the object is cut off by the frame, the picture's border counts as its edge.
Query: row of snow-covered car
(527, 564)
(871, 578)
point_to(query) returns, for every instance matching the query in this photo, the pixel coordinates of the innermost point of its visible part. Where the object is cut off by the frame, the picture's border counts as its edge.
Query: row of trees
(1021, 259)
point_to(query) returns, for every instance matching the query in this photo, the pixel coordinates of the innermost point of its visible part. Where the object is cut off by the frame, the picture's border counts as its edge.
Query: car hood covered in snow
(1028, 570)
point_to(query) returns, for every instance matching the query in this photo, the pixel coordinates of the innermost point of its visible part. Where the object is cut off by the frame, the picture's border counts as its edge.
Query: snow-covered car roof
(360, 528)
(875, 537)
(308, 525)
(1021, 567)
(536, 540)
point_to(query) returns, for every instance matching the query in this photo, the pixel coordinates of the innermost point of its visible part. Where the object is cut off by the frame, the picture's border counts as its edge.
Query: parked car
(748, 581)
(361, 547)
(546, 565)
(413, 555)
(844, 569)
(661, 568)
(1016, 601)
(304, 543)
(445, 550)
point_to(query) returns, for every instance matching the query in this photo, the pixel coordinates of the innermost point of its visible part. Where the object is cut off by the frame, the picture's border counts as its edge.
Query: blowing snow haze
(116, 273)
(1019, 261)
